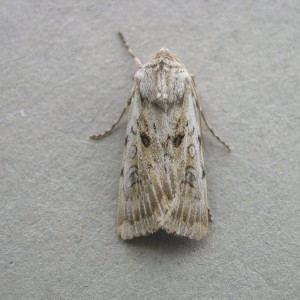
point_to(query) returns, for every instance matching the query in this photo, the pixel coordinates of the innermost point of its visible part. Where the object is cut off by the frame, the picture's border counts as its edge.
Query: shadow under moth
(162, 182)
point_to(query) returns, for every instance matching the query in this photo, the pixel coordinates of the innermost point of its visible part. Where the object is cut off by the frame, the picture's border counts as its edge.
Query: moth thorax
(162, 83)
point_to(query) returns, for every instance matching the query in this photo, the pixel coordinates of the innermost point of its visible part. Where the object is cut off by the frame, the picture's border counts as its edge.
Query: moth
(162, 182)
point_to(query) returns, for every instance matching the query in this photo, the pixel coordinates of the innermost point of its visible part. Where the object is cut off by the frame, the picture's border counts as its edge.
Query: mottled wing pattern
(139, 207)
(188, 212)
(163, 182)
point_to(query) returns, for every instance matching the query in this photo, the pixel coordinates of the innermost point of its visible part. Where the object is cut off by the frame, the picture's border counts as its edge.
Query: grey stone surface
(64, 75)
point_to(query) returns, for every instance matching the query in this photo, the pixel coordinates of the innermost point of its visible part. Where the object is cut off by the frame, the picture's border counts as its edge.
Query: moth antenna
(136, 60)
(107, 132)
(213, 132)
(111, 129)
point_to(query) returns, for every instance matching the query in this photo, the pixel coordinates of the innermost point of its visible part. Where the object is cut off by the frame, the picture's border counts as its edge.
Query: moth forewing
(135, 215)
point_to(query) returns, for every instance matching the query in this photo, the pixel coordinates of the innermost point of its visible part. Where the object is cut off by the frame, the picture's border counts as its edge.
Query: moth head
(164, 52)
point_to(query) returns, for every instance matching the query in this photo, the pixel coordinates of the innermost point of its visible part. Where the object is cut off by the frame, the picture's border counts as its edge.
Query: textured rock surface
(65, 74)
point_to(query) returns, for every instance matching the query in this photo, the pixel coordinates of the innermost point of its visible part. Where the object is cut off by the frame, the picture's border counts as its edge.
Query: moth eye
(132, 151)
(145, 139)
(192, 151)
(177, 140)
(132, 177)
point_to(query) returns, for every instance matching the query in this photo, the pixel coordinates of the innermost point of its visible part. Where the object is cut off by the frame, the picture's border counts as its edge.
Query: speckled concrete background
(65, 74)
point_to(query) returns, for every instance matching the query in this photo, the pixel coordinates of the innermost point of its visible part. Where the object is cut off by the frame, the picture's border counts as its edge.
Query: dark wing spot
(145, 139)
(126, 140)
(203, 173)
(154, 127)
(122, 172)
(190, 179)
(132, 130)
(190, 176)
(177, 140)
(199, 140)
(165, 168)
(132, 178)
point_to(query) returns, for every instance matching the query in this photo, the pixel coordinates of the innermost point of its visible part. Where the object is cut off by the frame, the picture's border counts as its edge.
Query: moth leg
(135, 58)
(210, 216)
(115, 124)
(212, 131)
